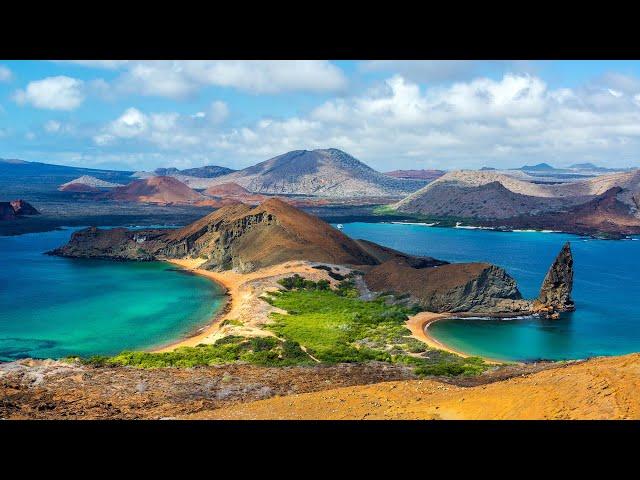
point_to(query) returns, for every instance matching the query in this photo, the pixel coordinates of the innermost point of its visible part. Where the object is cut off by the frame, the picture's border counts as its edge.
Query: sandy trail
(601, 388)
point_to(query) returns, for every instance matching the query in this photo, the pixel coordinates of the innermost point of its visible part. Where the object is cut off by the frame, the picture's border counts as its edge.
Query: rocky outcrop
(480, 288)
(555, 293)
(475, 288)
(16, 208)
(112, 244)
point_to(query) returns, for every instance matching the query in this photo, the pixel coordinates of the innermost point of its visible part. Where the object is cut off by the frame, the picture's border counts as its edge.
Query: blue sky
(391, 114)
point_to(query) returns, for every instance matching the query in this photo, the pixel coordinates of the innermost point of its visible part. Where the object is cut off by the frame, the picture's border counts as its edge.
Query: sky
(140, 115)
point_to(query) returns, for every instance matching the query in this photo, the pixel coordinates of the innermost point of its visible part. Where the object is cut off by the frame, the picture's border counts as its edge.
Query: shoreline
(243, 300)
(213, 324)
(419, 326)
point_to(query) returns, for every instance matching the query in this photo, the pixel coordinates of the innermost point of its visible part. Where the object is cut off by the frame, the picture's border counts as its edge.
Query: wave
(416, 223)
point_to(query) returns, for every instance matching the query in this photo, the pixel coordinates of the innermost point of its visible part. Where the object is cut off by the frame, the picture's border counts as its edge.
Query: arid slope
(605, 388)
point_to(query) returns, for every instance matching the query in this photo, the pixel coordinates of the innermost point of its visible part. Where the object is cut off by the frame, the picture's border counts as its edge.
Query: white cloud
(52, 126)
(132, 123)
(423, 70)
(104, 64)
(181, 79)
(218, 112)
(398, 123)
(52, 93)
(5, 74)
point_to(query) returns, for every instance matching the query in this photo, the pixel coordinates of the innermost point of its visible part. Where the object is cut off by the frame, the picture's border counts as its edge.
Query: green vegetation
(265, 351)
(442, 221)
(384, 210)
(333, 325)
(296, 282)
(232, 321)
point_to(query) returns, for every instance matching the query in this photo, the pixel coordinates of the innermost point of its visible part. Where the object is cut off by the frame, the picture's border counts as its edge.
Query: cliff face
(475, 288)
(480, 288)
(555, 293)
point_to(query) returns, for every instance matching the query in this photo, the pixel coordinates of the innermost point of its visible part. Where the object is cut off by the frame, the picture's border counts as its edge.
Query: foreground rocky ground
(47, 389)
(601, 388)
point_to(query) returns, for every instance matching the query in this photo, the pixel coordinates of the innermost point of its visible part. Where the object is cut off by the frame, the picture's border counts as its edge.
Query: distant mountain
(505, 200)
(87, 183)
(324, 173)
(13, 161)
(538, 167)
(161, 190)
(584, 166)
(35, 180)
(209, 171)
(590, 167)
(428, 175)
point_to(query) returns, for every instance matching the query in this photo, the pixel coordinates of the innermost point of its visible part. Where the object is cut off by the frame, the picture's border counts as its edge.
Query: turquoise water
(51, 307)
(606, 290)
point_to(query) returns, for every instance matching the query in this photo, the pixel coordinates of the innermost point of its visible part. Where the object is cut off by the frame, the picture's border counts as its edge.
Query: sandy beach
(419, 323)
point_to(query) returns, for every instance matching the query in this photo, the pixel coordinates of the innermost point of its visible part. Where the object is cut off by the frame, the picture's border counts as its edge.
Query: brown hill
(605, 214)
(246, 238)
(162, 190)
(226, 189)
(233, 191)
(79, 188)
(455, 287)
(236, 236)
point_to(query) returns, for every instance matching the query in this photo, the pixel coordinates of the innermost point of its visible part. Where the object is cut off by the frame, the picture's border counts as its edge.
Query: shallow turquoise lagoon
(52, 307)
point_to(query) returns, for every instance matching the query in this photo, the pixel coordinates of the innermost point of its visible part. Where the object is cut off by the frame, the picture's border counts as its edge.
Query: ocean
(606, 290)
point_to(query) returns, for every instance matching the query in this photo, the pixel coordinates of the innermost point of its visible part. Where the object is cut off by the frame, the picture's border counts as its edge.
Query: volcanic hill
(325, 173)
(161, 190)
(87, 183)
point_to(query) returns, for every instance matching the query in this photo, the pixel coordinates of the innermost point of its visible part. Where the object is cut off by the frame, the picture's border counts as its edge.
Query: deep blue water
(606, 290)
(52, 307)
